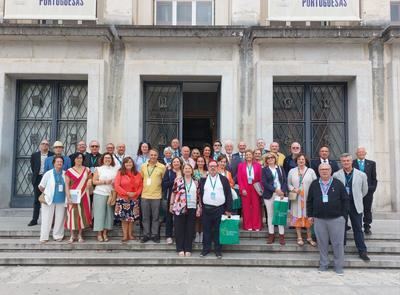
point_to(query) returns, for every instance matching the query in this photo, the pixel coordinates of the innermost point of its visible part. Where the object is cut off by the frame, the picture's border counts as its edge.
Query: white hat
(58, 144)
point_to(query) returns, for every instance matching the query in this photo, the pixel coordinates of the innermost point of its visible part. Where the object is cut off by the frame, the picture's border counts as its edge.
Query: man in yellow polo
(152, 173)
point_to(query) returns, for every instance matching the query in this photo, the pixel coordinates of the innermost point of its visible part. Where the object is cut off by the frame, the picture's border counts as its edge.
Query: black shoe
(156, 239)
(364, 257)
(204, 253)
(348, 227)
(32, 223)
(145, 239)
(218, 254)
(367, 231)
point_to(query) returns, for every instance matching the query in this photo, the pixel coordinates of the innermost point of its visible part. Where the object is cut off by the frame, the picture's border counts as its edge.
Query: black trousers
(184, 230)
(356, 224)
(211, 221)
(367, 219)
(36, 195)
(169, 220)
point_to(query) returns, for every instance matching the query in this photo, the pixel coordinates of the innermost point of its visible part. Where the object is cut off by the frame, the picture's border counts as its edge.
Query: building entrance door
(186, 110)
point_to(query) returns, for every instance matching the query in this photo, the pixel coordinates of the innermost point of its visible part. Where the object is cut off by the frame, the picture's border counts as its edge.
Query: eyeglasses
(217, 144)
(94, 146)
(268, 158)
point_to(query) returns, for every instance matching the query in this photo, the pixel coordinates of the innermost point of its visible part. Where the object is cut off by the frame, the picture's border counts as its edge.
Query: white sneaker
(170, 241)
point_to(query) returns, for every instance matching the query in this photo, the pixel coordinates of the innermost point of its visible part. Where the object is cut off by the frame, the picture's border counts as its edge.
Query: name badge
(250, 180)
(188, 196)
(348, 190)
(148, 181)
(324, 198)
(213, 196)
(92, 169)
(60, 188)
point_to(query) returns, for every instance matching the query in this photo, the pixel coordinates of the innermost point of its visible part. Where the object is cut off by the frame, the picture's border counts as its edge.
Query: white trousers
(269, 204)
(48, 213)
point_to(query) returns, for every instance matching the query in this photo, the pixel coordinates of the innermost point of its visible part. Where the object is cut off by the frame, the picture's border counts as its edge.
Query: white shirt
(105, 173)
(219, 198)
(324, 161)
(49, 184)
(192, 201)
(42, 160)
(118, 160)
(275, 176)
(250, 171)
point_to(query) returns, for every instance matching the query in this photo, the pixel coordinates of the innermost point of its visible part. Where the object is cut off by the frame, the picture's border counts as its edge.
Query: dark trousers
(211, 220)
(169, 221)
(36, 195)
(356, 224)
(367, 200)
(184, 230)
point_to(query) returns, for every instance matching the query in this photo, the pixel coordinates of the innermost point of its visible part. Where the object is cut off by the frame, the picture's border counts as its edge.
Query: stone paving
(194, 280)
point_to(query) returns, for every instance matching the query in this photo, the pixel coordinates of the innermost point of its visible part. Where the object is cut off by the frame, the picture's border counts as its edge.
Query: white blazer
(49, 184)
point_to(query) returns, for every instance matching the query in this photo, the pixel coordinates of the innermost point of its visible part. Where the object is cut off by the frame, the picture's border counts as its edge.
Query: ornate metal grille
(162, 113)
(52, 110)
(312, 114)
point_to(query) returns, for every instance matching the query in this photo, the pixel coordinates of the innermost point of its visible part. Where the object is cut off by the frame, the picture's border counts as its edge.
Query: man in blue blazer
(369, 168)
(324, 158)
(237, 158)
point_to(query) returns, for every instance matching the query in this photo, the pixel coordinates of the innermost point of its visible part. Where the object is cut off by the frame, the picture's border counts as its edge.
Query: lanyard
(190, 186)
(301, 176)
(118, 158)
(152, 170)
(349, 178)
(249, 169)
(215, 183)
(325, 188)
(58, 177)
(91, 160)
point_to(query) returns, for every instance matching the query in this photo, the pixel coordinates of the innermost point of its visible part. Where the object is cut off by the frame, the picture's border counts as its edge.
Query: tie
(229, 158)
(325, 161)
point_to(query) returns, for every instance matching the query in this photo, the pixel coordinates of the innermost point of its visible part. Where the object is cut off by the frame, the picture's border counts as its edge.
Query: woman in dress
(52, 186)
(103, 213)
(77, 181)
(249, 173)
(274, 182)
(174, 171)
(185, 205)
(299, 181)
(142, 155)
(128, 185)
(207, 151)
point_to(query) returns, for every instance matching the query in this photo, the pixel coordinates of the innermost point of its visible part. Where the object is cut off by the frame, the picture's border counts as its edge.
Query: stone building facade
(239, 76)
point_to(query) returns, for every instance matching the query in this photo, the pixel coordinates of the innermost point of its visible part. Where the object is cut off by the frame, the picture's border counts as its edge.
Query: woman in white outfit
(53, 187)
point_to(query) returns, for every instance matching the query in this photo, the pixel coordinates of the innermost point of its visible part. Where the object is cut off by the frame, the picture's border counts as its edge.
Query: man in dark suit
(37, 167)
(369, 168)
(324, 158)
(290, 160)
(237, 158)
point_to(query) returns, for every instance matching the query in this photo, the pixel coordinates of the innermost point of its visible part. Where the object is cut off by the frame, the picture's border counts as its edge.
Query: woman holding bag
(299, 181)
(274, 182)
(52, 186)
(103, 213)
(128, 185)
(185, 205)
(249, 173)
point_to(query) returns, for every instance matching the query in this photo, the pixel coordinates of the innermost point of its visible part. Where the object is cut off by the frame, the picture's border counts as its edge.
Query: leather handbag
(112, 198)
(292, 196)
(42, 199)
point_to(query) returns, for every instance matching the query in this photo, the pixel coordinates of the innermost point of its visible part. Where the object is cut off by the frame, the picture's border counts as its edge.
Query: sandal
(80, 239)
(43, 241)
(188, 254)
(71, 240)
(132, 238)
(300, 242)
(181, 254)
(311, 242)
(105, 238)
(100, 238)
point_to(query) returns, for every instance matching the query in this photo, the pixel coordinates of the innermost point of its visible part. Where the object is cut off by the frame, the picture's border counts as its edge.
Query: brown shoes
(282, 240)
(270, 239)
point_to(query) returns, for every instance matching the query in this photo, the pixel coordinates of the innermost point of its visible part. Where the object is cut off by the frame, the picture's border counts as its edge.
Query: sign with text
(314, 10)
(50, 9)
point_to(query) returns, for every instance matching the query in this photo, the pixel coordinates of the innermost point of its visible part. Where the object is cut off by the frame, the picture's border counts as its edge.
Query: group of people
(198, 187)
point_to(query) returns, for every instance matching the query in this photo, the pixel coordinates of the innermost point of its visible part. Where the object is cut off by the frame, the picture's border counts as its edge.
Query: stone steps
(246, 246)
(158, 258)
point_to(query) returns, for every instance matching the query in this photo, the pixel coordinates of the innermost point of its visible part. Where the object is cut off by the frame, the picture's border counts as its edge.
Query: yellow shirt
(152, 179)
(281, 158)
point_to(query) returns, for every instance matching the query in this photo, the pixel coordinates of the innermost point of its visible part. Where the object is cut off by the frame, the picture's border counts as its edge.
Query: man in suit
(37, 166)
(176, 148)
(356, 185)
(324, 159)
(369, 168)
(217, 147)
(261, 146)
(80, 148)
(290, 160)
(228, 147)
(238, 158)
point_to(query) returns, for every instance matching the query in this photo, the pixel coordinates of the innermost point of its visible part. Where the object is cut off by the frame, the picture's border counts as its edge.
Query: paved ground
(194, 280)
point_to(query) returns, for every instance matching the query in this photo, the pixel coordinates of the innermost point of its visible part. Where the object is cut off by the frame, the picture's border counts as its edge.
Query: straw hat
(58, 144)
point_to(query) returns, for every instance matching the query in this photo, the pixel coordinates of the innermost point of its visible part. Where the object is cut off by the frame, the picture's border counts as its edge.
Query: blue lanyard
(325, 188)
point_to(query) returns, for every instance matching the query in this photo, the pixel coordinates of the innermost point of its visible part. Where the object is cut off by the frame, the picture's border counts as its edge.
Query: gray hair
(346, 155)
(324, 165)
(168, 148)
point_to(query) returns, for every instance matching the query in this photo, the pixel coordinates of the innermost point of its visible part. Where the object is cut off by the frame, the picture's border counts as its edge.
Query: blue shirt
(59, 196)
(140, 160)
(48, 163)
